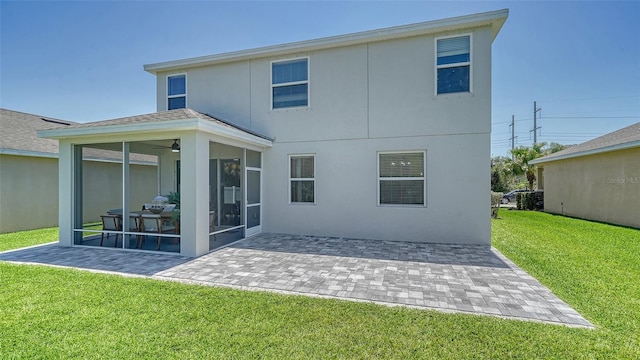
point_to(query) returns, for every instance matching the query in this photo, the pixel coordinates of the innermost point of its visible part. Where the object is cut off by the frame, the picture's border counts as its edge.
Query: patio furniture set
(144, 221)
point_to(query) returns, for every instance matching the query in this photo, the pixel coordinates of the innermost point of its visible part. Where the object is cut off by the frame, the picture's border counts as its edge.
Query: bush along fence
(531, 200)
(496, 200)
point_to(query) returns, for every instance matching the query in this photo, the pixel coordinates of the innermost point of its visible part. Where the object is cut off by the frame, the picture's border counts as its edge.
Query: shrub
(496, 200)
(530, 200)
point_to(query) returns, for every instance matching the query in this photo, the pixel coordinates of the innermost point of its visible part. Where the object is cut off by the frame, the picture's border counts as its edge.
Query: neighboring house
(29, 174)
(596, 180)
(381, 134)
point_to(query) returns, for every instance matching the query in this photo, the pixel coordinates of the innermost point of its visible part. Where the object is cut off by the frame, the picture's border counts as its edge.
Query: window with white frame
(290, 83)
(302, 179)
(401, 178)
(453, 64)
(176, 92)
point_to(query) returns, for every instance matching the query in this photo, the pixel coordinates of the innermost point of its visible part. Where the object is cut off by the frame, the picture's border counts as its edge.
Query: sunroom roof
(172, 120)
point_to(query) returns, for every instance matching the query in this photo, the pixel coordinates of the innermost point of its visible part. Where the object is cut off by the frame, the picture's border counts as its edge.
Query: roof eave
(173, 125)
(112, 129)
(495, 19)
(624, 146)
(30, 153)
(233, 133)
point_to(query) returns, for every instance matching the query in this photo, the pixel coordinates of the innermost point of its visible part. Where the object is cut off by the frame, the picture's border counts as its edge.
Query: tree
(522, 156)
(554, 147)
(501, 175)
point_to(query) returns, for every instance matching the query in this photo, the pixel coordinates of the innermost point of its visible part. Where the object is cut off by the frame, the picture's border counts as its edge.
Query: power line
(590, 98)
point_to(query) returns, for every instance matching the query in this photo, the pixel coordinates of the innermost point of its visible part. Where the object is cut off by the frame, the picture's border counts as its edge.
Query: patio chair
(134, 226)
(110, 223)
(213, 219)
(152, 223)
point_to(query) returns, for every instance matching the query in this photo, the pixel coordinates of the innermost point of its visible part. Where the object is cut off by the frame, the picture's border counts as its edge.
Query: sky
(83, 60)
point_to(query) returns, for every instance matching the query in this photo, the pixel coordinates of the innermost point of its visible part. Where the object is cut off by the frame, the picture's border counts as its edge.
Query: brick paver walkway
(453, 278)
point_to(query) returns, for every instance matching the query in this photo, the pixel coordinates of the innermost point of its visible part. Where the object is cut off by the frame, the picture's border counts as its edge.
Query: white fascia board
(233, 133)
(494, 18)
(28, 153)
(172, 125)
(601, 150)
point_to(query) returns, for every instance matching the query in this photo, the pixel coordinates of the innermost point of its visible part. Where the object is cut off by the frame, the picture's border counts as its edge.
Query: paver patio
(453, 278)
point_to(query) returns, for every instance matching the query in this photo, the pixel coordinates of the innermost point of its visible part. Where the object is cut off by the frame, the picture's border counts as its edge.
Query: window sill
(291, 108)
(411, 206)
(454, 94)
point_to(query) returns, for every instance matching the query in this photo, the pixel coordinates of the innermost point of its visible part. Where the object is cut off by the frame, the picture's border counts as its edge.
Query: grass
(15, 240)
(595, 267)
(59, 313)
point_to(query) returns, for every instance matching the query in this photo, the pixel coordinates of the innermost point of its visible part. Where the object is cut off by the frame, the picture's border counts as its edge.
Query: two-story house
(381, 134)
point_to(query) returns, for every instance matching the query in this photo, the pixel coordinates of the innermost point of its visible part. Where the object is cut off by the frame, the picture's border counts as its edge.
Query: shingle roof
(163, 116)
(18, 137)
(18, 132)
(628, 137)
(179, 114)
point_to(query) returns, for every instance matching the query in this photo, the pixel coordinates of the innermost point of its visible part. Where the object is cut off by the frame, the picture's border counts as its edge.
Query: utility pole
(513, 134)
(535, 123)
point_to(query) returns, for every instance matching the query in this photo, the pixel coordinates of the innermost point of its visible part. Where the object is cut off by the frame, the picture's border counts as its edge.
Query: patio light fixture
(175, 147)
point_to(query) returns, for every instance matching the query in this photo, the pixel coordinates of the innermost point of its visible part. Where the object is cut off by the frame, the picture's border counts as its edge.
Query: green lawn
(58, 313)
(20, 239)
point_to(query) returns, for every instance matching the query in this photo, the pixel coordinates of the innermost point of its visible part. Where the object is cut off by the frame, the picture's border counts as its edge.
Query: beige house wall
(29, 190)
(602, 187)
(102, 185)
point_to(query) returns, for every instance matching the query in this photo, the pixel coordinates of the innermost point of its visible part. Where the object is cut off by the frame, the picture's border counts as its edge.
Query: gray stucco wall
(363, 99)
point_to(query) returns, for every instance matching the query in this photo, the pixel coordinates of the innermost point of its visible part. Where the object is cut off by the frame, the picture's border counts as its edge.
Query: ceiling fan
(175, 147)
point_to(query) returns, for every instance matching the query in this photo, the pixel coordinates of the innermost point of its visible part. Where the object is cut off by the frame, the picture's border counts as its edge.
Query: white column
(194, 194)
(65, 193)
(125, 190)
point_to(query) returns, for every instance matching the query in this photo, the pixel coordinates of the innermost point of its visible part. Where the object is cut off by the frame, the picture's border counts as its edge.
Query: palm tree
(521, 158)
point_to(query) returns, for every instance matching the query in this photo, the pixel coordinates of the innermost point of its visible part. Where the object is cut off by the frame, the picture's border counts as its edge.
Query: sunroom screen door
(254, 194)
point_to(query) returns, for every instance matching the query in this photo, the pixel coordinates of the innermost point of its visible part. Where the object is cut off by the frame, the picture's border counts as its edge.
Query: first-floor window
(401, 178)
(302, 179)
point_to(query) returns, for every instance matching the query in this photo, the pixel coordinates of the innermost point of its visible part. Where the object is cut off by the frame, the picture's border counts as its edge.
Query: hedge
(530, 200)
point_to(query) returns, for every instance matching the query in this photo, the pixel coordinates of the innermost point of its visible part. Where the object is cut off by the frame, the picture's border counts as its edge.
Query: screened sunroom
(201, 188)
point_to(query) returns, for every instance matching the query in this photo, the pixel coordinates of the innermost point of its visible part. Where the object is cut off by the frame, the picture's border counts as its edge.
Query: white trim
(176, 95)
(308, 82)
(423, 178)
(629, 145)
(258, 228)
(460, 64)
(290, 156)
(170, 126)
(28, 153)
(495, 19)
(241, 226)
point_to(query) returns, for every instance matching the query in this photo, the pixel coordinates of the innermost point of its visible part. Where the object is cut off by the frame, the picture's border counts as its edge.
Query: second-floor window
(290, 83)
(454, 64)
(176, 92)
